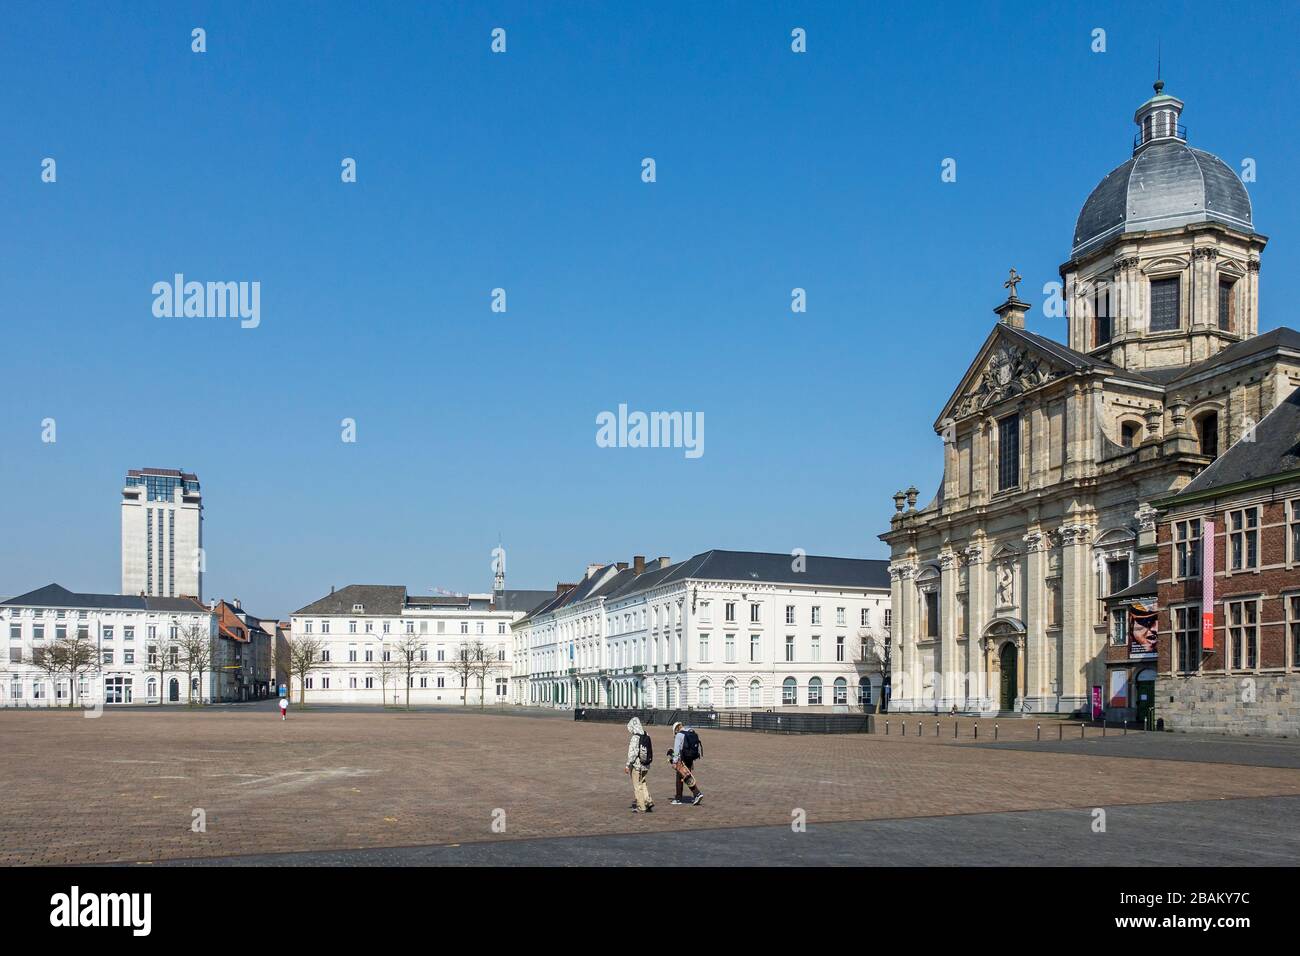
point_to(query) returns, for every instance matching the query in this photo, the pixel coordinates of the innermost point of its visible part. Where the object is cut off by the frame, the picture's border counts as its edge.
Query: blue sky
(522, 171)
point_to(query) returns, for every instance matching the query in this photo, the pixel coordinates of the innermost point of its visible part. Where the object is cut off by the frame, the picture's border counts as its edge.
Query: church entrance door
(1007, 659)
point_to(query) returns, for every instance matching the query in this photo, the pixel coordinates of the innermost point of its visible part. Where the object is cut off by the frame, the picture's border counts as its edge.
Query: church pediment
(1007, 366)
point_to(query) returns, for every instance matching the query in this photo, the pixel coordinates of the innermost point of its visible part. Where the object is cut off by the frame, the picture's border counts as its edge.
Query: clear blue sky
(522, 170)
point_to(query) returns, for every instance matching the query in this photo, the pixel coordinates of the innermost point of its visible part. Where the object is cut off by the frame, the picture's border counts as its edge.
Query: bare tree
(164, 657)
(465, 664)
(195, 647)
(411, 656)
(390, 669)
(874, 658)
(79, 655)
(304, 655)
(49, 661)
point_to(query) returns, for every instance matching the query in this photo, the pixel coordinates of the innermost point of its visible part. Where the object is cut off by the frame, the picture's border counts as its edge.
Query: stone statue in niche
(1006, 586)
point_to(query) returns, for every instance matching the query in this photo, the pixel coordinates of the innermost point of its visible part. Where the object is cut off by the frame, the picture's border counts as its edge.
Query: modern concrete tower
(162, 533)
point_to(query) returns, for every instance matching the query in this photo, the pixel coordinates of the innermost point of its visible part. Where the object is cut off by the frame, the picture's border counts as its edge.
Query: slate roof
(1274, 451)
(387, 599)
(1143, 588)
(1166, 184)
(55, 595)
(521, 600)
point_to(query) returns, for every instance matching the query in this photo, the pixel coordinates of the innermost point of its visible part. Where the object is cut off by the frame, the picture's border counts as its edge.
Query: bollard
(1125, 726)
(995, 730)
(886, 728)
(1081, 731)
(955, 725)
(936, 728)
(1060, 731)
(1038, 735)
(977, 730)
(919, 728)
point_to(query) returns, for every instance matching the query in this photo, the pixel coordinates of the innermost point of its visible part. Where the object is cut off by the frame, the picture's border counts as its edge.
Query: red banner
(1207, 587)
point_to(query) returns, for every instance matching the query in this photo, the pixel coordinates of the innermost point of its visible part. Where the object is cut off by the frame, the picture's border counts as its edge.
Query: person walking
(686, 750)
(284, 708)
(639, 757)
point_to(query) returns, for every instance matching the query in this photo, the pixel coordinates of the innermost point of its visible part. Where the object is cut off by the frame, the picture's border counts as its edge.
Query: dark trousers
(688, 777)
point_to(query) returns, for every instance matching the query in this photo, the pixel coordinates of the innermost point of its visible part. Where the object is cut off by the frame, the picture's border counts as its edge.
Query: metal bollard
(955, 725)
(1081, 731)
(919, 728)
(1038, 732)
(886, 728)
(995, 730)
(936, 728)
(977, 730)
(1060, 731)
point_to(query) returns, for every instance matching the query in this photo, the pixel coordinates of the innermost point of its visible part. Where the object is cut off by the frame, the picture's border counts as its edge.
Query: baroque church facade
(1053, 453)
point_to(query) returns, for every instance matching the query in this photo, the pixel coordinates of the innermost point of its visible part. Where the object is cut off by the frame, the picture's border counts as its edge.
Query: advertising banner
(1143, 632)
(1207, 587)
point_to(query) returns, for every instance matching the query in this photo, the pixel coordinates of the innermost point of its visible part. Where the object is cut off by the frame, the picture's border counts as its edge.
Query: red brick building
(1243, 675)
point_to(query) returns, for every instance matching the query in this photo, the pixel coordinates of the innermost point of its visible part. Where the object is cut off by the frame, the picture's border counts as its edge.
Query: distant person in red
(284, 708)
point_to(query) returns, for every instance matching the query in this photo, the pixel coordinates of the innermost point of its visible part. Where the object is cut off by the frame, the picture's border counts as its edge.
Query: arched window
(755, 693)
(729, 694)
(151, 687)
(706, 694)
(789, 692)
(814, 691)
(864, 691)
(841, 691)
(1207, 433)
(1130, 434)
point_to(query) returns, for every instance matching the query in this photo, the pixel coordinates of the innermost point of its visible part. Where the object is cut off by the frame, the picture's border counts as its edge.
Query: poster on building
(1143, 631)
(1096, 702)
(1119, 688)
(1207, 589)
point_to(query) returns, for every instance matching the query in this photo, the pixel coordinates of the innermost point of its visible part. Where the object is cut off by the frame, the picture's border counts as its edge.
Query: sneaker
(635, 810)
(698, 798)
(678, 803)
(650, 809)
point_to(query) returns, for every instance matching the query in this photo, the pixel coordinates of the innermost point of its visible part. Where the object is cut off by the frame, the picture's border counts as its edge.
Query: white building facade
(162, 533)
(362, 630)
(128, 635)
(724, 629)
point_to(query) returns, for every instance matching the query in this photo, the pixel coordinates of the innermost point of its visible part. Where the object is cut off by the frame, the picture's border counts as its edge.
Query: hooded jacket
(634, 744)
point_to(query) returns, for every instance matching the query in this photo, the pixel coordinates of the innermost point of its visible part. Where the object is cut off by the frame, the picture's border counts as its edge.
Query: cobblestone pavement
(125, 787)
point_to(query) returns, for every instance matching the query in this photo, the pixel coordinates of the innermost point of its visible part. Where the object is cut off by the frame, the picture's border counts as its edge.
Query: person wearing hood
(639, 756)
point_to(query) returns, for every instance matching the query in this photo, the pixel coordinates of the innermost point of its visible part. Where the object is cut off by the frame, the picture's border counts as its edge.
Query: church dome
(1166, 184)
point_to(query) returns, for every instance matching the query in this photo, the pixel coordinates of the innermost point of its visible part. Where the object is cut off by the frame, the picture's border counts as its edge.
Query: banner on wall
(1207, 587)
(1096, 702)
(1143, 632)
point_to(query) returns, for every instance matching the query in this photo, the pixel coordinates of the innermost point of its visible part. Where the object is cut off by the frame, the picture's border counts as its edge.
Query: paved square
(124, 788)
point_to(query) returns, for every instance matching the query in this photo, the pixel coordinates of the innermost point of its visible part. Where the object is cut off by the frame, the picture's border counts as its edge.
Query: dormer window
(358, 609)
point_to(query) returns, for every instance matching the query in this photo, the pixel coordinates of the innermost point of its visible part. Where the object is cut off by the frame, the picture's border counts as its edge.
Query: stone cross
(1013, 280)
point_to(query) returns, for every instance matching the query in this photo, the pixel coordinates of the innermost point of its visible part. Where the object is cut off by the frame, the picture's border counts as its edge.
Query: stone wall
(1219, 704)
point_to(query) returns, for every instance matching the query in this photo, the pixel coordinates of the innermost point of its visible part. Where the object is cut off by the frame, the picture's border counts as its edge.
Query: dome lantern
(1157, 119)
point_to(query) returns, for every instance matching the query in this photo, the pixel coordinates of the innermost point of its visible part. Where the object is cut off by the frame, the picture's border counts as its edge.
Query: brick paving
(123, 787)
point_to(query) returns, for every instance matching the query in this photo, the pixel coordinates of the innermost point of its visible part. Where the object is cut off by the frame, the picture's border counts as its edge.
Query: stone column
(1035, 607)
(976, 597)
(949, 665)
(1077, 592)
(1250, 300)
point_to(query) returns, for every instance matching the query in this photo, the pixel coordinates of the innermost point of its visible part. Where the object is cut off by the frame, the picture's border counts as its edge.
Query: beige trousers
(639, 788)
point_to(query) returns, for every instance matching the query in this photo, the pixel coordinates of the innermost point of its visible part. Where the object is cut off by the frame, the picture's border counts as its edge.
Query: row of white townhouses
(723, 629)
(377, 644)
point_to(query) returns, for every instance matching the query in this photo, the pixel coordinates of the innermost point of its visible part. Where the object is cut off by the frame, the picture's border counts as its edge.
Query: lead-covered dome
(1166, 184)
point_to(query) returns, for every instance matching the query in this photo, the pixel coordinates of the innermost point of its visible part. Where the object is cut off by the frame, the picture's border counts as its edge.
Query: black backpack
(646, 753)
(692, 749)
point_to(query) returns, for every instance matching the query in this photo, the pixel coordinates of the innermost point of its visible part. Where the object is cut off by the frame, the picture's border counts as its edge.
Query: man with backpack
(686, 750)
(639, 757)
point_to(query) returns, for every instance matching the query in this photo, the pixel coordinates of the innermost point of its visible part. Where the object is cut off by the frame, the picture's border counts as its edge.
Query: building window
(1187, 549)
(839, 649)
(864, 691)
(729, 642)
(1207, 434)
(352, 627)
(1243, 539)
(1293, 531)
(864, 617)
(755, 647)
(306, 628)
(1164, 305)
(1243, 633)
(730, 611)
(324, 627)
(1119, 626)
(1117, 575)
(789, 648)
(1187, 637)
(889, 618)
(755, 693)
(840, 619)
(814, 691)
(1101, 316)
(816, 616)
(1293, 626)
(704, 648)
(816, 648)
(841, 691)
(729, 694)
(789, 614)
(789, 692)
(1009, 452)
(754, 614)
(1225, 304)
(706, 694)
(1130, 434)
(931, 613)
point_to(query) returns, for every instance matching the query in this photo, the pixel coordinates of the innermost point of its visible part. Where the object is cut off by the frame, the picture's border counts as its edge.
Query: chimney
(238, 607)
(331, 589)
(664, 561)
(561, 588)
(592, 569)
(622, 565)
(638, 563)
